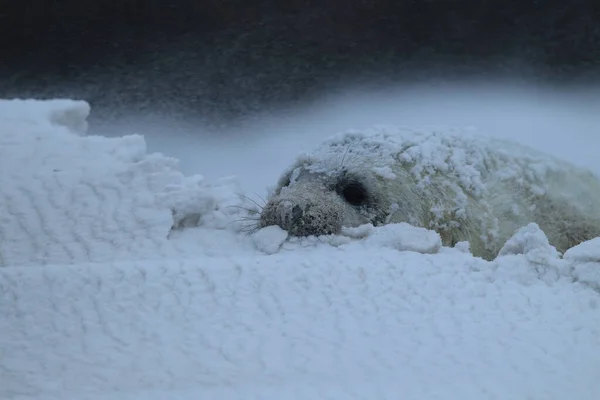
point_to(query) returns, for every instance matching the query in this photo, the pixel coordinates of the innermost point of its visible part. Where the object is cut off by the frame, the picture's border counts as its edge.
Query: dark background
(225, 59)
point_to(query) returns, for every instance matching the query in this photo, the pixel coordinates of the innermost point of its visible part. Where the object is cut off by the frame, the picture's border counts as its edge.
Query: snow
(123, 278)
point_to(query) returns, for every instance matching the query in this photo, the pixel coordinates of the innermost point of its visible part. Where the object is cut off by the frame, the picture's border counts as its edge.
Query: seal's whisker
(251, 218)
(261, 199)
(245, 220)
(250, 210)
(233, 222)
(249, 229)
(261, 206)
(353, 157)
(341, 165)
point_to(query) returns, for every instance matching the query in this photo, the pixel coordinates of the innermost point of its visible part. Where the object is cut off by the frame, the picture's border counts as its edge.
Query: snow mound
(123, 279)
(402, 237)
(70, 198)
(585, 261)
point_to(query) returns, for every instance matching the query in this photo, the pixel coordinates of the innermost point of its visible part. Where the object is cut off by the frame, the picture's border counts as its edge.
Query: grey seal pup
(465, 186)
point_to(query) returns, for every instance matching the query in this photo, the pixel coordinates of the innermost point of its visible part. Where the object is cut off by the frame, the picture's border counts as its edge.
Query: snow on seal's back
(464, 153)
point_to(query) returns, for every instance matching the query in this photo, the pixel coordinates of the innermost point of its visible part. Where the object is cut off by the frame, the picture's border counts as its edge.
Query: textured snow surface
(67, 198)
(123, 279)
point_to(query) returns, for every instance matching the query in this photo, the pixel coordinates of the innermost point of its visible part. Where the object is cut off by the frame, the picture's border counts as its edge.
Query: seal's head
(339, 185)
(320, 204)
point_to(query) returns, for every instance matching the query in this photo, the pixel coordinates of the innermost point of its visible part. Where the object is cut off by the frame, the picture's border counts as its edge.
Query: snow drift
(123, 279)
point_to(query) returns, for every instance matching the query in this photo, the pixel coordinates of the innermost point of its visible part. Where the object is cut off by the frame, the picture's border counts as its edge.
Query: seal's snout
(289, 214)
(304, 212)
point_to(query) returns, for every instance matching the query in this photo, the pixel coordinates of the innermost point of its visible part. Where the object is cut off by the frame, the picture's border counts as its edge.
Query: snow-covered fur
(465, 186)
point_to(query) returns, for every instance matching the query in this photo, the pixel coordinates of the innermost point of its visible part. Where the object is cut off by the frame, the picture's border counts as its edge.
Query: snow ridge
(68, 198)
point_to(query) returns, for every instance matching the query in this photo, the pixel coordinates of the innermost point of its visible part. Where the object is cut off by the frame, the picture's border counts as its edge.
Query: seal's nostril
(296, 212)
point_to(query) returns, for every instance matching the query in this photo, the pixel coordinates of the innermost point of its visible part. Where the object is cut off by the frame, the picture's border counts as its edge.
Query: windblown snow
(122, 278)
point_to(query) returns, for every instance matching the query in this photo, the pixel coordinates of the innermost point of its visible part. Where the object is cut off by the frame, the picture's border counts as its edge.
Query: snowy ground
(99, 299)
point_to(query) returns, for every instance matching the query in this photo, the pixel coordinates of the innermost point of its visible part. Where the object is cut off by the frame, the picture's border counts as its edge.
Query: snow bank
(344, 324)
(101, 298)
(68, 198)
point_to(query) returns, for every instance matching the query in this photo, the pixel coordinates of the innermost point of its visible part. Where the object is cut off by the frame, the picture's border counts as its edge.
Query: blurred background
(225, 61)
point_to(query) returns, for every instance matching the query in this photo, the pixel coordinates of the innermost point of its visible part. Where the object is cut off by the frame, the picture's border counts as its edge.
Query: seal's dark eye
(354, 193)
(285, 181)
